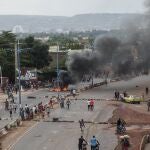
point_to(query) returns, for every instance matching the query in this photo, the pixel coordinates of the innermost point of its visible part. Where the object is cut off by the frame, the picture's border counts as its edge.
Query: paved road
(40, 96)
(48, 135)
(147, 147)
(107, 92)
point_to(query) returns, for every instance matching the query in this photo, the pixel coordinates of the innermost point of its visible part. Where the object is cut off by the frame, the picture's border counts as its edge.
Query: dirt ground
(132, 118)
(14, 134)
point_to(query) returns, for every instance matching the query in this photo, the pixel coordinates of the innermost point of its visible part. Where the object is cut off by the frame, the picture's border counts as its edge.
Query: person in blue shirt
(94, 143)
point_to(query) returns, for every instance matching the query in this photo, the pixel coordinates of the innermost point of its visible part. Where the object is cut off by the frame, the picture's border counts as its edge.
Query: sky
(69, 7)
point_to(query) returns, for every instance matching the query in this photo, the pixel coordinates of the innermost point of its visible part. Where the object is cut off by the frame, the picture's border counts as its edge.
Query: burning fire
(58, 89)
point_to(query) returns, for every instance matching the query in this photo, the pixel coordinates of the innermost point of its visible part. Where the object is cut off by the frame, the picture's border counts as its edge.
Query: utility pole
(57, 70)
(1, 77)
(16, 64)
(19, 72)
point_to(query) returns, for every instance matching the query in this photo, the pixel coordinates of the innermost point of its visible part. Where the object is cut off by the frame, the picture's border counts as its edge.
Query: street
(55, 135)
(40, 96)
(50, 135)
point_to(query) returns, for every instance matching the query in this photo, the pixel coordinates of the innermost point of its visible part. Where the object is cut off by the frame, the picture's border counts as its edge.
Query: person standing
(6, 105)
(74, 92)
(146, 90)
(51, 103)
(34, 110)
(14, 107)
(92, 104)
(115, 94)
(148, 105)
(10, 113)
(88, 103)
(48, 111)
(16, 89)
(27, 111)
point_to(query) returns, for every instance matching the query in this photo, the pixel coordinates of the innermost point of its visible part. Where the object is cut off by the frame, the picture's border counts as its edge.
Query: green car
(133, 99)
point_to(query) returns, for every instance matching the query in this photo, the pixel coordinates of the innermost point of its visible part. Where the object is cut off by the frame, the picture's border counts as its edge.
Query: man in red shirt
(92, 104)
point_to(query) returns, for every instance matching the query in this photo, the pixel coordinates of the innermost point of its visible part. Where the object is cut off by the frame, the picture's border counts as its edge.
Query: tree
(7, 62)
(7, 40)
(40, 55)
(7, 54)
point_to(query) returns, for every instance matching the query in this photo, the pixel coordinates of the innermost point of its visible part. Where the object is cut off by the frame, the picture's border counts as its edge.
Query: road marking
(28, 131)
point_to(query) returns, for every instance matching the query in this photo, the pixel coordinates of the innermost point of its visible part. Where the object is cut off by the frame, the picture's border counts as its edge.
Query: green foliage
(33, 54)
(7, 40)
(7, 62)
(65, 42)
(40, 55)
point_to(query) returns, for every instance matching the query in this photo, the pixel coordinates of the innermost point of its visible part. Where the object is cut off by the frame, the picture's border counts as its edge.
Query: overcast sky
(69, 7)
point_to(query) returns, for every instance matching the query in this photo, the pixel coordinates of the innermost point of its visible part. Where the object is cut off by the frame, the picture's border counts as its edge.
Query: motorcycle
(121, 129)
(84, 146)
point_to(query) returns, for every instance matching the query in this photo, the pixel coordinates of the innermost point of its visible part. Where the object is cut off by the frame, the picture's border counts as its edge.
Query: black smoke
(130, 56)
(83, 63)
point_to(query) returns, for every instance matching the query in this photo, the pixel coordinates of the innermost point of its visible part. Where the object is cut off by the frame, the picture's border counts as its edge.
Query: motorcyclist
(94, 143)
(120, 125)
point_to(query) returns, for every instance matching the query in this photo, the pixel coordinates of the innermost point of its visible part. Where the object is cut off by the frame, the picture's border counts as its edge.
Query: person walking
(82, 124)
(68, 103)
(94, 143)
(80, 143)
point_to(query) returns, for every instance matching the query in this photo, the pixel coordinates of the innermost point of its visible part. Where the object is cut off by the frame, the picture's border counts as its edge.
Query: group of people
(11, 107)
(29, 112)
(41, 109)
(119, 96)
(91, 103)
(62, 102)
(94, 143)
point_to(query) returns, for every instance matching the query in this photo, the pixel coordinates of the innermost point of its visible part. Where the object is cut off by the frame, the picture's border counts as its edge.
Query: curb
(6, 128)
(90, 86)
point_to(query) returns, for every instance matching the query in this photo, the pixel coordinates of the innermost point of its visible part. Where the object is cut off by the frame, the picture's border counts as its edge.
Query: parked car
(133, 99)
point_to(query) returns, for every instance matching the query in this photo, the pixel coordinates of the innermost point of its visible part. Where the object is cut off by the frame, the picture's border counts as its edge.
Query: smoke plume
(83, 63)
(122, 56)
